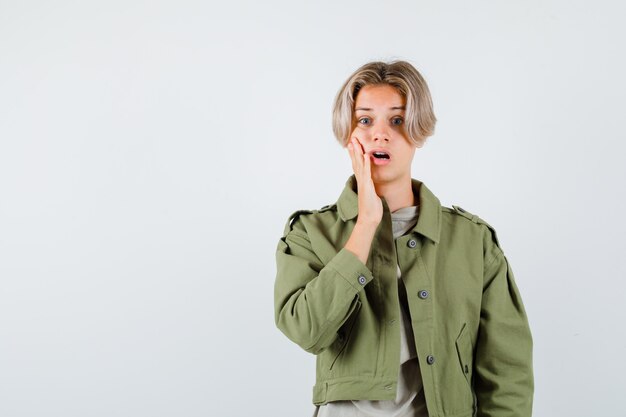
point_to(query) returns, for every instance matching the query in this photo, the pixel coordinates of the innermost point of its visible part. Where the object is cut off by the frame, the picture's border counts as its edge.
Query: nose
(381, 133)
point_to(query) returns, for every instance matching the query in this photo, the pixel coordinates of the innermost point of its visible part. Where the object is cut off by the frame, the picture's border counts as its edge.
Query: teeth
(381, 155)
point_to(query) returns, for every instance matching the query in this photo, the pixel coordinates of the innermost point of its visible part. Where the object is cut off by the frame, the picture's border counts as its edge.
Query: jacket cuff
(351, 269)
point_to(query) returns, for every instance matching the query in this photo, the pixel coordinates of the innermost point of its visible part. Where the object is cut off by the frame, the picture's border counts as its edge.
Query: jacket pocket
(465, 353)
(345, 331)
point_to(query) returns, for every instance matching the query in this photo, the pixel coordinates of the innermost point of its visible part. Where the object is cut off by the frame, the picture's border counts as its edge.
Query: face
(379, 112)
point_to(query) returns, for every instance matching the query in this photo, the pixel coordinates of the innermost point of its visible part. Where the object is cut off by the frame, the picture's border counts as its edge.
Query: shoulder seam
(469, 217)
(293, 217)
(477, 220)
(326, 207)
(298, 233)
(499, 253)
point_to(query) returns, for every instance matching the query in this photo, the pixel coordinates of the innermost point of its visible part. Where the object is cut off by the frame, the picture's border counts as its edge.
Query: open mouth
(380, 155)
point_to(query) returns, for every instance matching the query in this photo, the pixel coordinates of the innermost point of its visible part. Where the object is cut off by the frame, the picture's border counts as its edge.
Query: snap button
(423, 294)
(362, 279)
(430, 359)
(411, 243)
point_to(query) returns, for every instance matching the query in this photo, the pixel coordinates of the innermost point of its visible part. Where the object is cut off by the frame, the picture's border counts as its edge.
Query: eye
(397, 121)
(364, 120)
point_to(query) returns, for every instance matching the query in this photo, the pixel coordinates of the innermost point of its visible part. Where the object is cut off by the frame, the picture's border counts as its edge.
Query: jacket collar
(429, 218)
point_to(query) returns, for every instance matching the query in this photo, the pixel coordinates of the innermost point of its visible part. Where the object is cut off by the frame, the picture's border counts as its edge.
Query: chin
(383, 176)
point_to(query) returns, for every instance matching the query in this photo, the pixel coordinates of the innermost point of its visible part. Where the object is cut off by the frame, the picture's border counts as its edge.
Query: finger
(367, 166)
(359, 144)
(360, 148)
(352, 156)
(358, 154)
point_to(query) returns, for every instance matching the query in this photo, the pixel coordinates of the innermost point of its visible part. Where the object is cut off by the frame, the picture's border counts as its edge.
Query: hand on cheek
(370, 205)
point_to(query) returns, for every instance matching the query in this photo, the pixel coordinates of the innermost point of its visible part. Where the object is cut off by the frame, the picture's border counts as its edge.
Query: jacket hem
(367, 388)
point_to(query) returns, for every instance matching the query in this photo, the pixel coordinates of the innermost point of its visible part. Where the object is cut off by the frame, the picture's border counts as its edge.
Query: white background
(151, 152)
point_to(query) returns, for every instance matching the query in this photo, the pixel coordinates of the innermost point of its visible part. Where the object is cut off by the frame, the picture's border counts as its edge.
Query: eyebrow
(390, 108)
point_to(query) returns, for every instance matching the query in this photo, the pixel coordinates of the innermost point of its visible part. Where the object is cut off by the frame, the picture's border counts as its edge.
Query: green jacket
(471, 331)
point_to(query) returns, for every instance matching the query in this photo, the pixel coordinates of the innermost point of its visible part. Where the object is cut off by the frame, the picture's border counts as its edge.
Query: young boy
(410, 307)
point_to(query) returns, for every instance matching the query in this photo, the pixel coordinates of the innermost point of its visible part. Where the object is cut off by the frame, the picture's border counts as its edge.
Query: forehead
(383, 95)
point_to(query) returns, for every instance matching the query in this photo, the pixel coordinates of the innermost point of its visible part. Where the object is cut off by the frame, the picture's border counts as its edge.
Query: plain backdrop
(151, 152)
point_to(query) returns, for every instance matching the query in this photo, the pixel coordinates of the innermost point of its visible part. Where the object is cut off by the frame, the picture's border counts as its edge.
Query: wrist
(367, 225)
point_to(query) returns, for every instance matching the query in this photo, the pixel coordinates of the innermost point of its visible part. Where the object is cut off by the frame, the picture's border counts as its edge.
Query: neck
(399, 193)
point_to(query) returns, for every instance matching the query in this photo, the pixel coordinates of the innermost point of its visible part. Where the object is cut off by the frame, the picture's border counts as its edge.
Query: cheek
(359, 133)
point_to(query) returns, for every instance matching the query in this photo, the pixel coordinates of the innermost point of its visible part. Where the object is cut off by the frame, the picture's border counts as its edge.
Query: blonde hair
(420, 118)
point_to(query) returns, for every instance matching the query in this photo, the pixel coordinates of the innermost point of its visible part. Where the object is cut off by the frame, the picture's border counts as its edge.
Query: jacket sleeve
(312, 300)
(503, 378)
